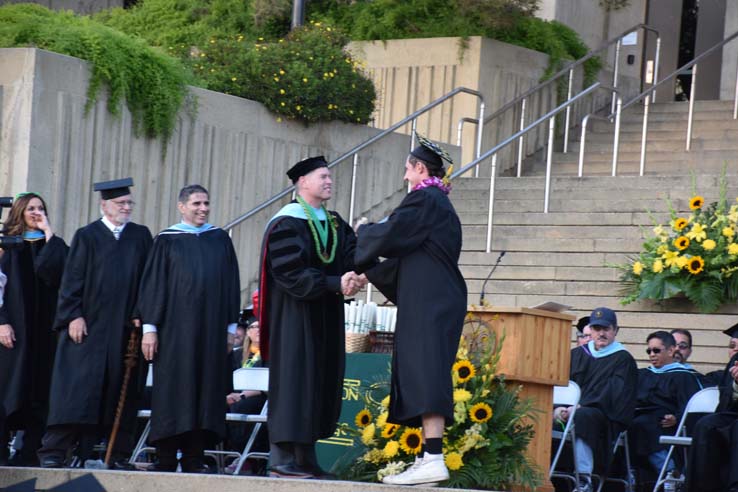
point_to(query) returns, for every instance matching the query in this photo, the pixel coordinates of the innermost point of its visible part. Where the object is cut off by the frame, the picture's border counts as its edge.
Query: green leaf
(706, 293)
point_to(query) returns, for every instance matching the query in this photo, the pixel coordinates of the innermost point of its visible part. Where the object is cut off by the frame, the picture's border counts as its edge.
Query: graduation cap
(732, 332)
(113, 189)
(583, 321)
(305, 167)
(430, 153)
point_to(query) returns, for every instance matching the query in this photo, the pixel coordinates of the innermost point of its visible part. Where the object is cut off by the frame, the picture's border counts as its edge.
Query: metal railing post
(656, 60)
(352, 198)
(582, 143)
(521, 141)
(480, 128)
(491, 207)
(616, 138)
(691, 107)
(549, 157)
(568, 112)
(413, 129)
(615, 74)
(644, 134)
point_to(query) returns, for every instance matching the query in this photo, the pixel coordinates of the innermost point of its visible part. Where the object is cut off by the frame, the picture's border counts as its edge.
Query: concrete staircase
(597, 220)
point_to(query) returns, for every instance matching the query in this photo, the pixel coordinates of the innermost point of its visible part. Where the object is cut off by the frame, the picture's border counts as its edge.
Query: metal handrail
(616, 138)
(551, 118)
(411, 118)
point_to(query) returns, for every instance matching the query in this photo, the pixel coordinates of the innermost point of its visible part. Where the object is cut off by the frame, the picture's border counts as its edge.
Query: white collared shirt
(112, 226)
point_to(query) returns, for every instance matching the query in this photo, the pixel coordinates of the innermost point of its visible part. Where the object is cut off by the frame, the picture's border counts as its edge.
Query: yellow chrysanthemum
(733, 249)
(697, 233)
(461, 395)
(481, 412)
(385, 401)
(681, 243)
(382, 420)
(637, 267)
(464, 370)
(728, 232)
(680, 224)
(696, 202)
(373, 456)
(453, 461)
(367, 435)
(391, 449)
(708, 244)
(662, 249)
(695, 265)
(363, 418)
(657, 267)
(670, 258)
(411, 441)
(682, 261)
(389, 430)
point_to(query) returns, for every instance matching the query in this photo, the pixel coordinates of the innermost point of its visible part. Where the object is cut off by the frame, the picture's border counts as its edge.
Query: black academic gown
(302, 329)
(659, 394)
(713, 456)
(100, 284)
(421, 240)
(34, 273)
(608, 400)
(190, 291)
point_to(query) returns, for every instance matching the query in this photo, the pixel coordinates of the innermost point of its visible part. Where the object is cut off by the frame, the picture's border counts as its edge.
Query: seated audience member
(607, 375)
(714, 378)
(683, 340)
(664, 388)
(584, 332)
(713, 456)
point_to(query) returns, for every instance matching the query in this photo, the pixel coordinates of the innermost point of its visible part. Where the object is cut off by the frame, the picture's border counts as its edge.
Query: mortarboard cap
(583, 321)
(603, 316)
(305, 167)
(430, 153)
(113, 189)
(732, 332)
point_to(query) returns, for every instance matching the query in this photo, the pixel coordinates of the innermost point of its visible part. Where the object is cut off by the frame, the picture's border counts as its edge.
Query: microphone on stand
(484, 285)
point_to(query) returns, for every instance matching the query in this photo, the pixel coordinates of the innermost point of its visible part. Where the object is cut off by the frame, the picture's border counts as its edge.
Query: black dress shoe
(321, 474)
(163, 467)
(122, 465)
(290, 470)
(52, 462)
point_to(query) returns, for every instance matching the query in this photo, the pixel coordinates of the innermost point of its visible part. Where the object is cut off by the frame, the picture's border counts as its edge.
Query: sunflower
(696, 265)
(389, 430)
(696, 202)
(481, 412)
(464, 370)
(453, 461)
(411, 441)
(391, 449)
(363, 418)
(681, 243)
(680, 223)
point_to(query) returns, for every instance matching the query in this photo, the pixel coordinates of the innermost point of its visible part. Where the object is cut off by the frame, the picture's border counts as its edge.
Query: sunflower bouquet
(694, 255)
(483, 449)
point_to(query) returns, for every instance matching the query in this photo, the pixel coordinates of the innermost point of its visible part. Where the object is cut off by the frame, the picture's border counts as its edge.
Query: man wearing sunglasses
(664, 388)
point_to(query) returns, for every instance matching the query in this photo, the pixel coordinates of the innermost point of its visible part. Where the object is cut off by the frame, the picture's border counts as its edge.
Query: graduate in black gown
(421, 241)
(27, 341)
(664, 388)
(608, 376)
(189, 304)
(306, 268)
(94, 318)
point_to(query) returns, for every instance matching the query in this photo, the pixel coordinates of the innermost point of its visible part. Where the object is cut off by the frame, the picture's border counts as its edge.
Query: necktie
(116, 233)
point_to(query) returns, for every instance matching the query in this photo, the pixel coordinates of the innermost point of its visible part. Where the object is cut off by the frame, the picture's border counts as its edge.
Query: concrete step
(500, 243)
(556, 205)
(553, 259)
(527, 273)
(671, 145)
(556, 232)
(563, 218)
(659, 136)
(676, 125)
(573, 183)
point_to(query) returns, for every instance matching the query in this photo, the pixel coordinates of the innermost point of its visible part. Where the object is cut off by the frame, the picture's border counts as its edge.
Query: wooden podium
(536, 355)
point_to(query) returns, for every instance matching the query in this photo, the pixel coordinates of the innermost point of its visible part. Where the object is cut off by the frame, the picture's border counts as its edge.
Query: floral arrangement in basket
(485, 446)
(694, 255)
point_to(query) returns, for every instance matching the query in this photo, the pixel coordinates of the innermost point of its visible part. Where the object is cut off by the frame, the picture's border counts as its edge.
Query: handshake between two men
(351, 283)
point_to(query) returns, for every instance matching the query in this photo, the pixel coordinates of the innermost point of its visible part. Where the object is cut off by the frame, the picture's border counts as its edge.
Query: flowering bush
(694, 255)
(485, 446)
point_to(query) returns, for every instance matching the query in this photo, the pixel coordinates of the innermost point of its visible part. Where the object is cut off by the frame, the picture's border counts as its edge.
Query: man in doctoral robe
(306, 268)
(607, 375)
(95, 316)
(715, 378)
(664, 388)
(189, 305)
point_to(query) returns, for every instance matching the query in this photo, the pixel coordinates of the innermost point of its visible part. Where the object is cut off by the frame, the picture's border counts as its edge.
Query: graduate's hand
(362, 280)
(150, 345)
(349, 284)
(78, 330)
(362, 221)
(668, 421)
(7, 336)
(232, 398)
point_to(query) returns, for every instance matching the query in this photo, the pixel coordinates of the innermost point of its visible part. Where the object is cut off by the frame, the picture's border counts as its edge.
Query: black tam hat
(305, 167)
(583, 321)
(113, 189)
(732, 332)
(430, 153)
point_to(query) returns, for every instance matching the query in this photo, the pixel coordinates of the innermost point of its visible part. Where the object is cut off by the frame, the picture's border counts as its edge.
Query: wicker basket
(357, 342)
(382, 342)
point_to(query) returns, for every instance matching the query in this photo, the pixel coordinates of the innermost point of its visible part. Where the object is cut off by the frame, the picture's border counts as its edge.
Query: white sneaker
(428, 469)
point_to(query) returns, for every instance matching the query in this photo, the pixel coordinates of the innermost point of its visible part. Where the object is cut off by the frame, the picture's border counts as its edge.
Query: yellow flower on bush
(708, 244)
(697, 233)
(373, 456)
(679, 224)
(461, 395)
(681, 243)
(682, 261)
(696, 202)
(367, 435)
(695, 265)
(733, 249)
(464, 370)
(382, 420)
(481, 412)
(670, 258)
(391, 449)
(363, 418)
(658, 266)
(389, 430)
(728, 232)
(662, 249)
(411, 441)
(637, 267)
(453, 461)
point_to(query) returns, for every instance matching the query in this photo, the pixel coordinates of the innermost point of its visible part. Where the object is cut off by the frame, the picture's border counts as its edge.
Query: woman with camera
(27, 341)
